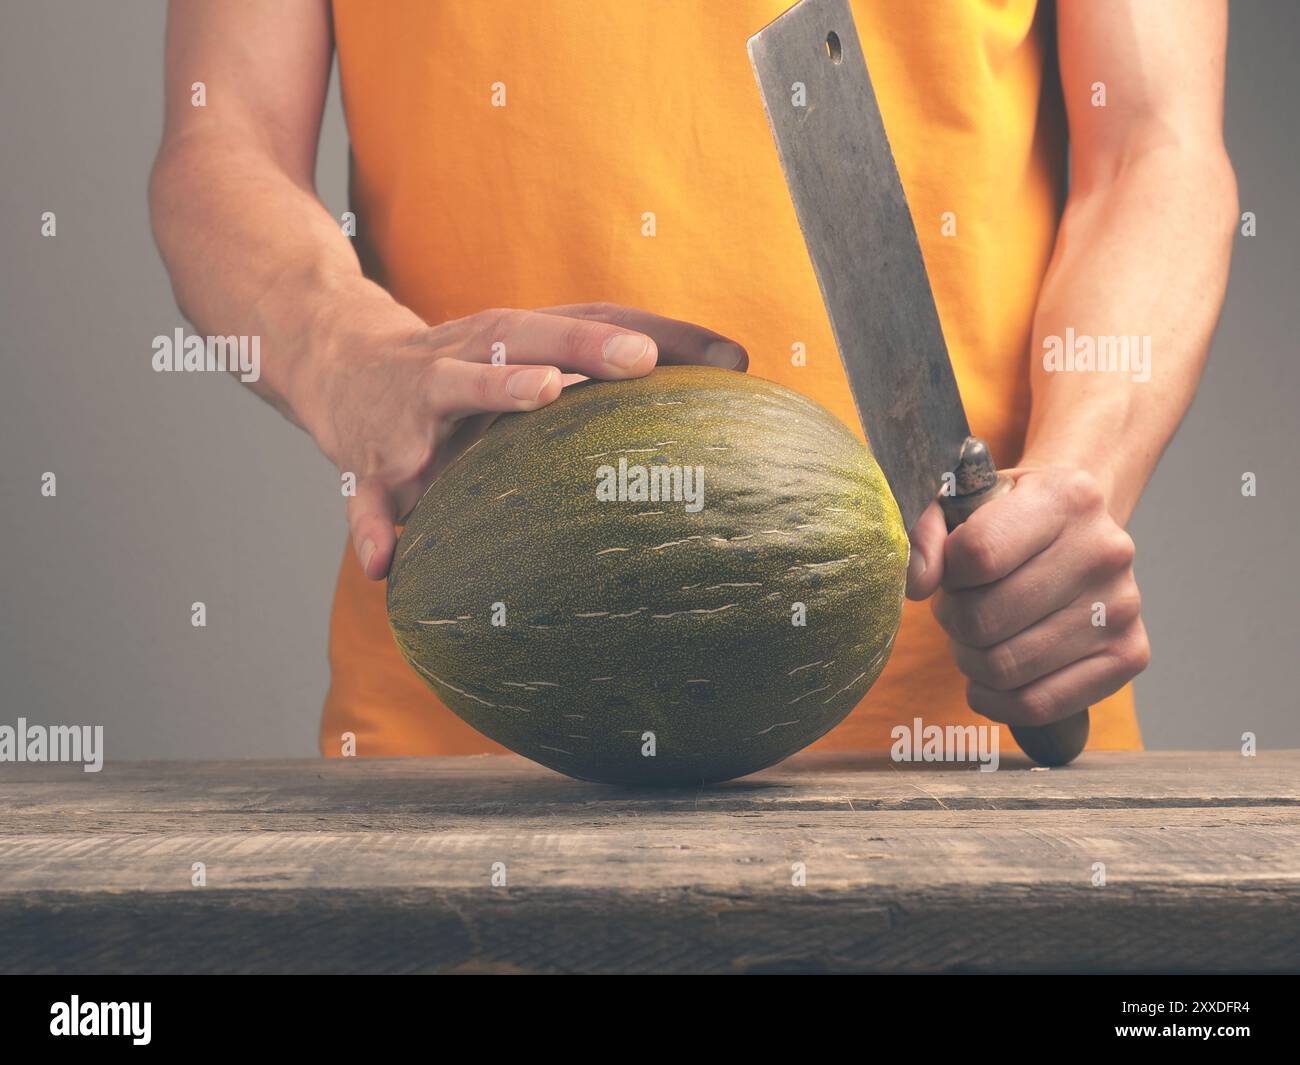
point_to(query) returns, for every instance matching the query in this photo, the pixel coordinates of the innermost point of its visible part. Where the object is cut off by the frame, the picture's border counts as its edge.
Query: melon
(677, 579)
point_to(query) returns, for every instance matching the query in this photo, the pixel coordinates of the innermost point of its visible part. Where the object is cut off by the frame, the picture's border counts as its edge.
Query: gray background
(176, 488)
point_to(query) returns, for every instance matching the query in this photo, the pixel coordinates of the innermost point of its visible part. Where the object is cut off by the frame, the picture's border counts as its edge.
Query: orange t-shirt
(614, 110)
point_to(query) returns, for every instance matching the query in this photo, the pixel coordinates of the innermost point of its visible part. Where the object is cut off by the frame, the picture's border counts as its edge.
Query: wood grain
(385, 866)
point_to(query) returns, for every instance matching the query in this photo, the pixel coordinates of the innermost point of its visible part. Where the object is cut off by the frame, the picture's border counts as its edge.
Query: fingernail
(367, 553)
(725, 354)
(625, 350)
(528, 384)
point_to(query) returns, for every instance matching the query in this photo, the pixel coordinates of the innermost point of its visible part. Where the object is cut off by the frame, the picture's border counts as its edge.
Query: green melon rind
(622, 621)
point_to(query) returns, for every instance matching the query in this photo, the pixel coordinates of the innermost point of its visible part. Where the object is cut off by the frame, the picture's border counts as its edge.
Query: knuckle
(433, 376)
(602, 309)
(977, 558)
(1125, 607)
(1135, 654)
(984, 621)
(1118, 550)
(439, 383)
(1033, 706)
(484, 386)
(1081, 491)
(452, 328)
(498, 323)
(1025, 706)
(1002, 666)
(434, 382)
(975, 622)
(581, 340)
(427, 336)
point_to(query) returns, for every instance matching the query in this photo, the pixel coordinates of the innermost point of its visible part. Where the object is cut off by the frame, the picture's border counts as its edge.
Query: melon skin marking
(671, 623)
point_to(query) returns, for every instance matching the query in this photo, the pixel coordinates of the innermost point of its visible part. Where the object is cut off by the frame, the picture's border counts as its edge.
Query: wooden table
(387, 866)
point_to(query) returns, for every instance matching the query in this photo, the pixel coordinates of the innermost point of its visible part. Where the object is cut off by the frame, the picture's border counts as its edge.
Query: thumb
(370, 520)
(925, 568)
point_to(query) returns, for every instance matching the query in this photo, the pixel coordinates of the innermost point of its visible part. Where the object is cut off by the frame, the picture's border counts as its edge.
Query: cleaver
(856, 223)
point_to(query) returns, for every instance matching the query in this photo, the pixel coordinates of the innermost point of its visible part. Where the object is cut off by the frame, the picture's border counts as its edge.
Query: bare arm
(250, 248)
(252, 251)
(1036, 590)
(1144, 245)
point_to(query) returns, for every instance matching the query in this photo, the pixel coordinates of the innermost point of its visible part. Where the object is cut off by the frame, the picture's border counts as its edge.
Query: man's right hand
(252, 251)
(394, 401)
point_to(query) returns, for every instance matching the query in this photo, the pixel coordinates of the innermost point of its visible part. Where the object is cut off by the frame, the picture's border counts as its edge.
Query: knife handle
(976, 482)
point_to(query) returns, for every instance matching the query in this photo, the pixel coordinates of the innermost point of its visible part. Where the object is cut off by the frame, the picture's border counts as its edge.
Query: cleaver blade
(858, 228)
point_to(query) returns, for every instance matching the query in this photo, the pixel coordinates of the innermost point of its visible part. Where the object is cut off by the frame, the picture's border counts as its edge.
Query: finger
(467, 433)
(1003, 535)
(1066, 691)
(574, 344)
(458, 389)
(370, 521)
(678, 341)
(1051, 580)
(1058, 640)
(925, 567)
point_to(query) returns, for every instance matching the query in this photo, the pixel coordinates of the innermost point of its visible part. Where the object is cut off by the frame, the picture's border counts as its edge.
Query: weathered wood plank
(390, 793)
(740, 854)
(428, 930)
(385, 866)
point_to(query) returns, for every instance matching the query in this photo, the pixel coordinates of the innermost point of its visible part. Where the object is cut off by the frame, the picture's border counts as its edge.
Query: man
(587, 159)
